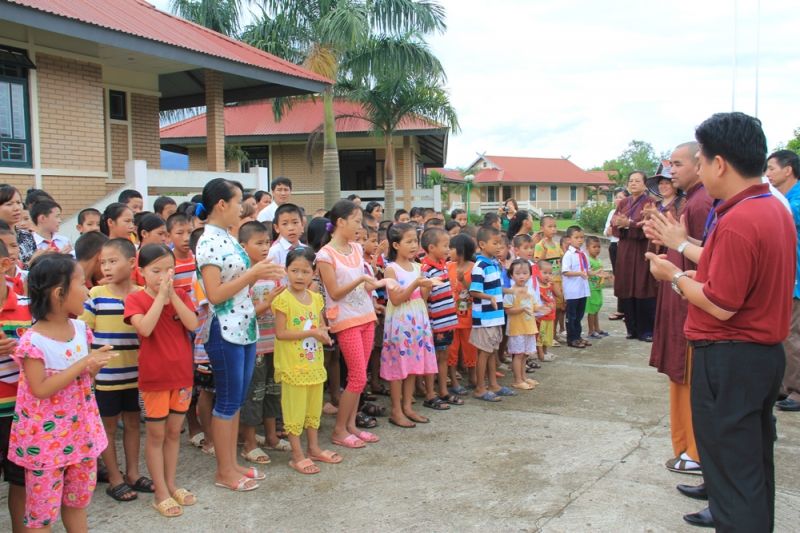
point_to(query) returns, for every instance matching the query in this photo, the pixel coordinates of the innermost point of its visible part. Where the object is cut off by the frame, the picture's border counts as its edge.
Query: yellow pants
(545, 337)
(302, 407)
(680, 416)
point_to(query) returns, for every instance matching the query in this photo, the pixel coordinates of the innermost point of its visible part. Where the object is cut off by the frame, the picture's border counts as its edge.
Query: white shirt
(268, 213)
(237, 316)
(608, 225)
(575, 287)
(278, 252)
(776, 193)
(41, 244)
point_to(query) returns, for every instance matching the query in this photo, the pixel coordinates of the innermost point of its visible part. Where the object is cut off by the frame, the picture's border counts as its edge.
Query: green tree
(390, 100)
(794, 143)
(639, 155)
(222, 16)
(347, 39)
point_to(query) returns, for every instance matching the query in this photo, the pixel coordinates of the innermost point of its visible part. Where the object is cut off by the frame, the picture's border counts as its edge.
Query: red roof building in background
(507, 170)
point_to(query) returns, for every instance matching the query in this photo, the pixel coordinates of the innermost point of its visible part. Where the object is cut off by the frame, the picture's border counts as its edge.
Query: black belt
(703, 344)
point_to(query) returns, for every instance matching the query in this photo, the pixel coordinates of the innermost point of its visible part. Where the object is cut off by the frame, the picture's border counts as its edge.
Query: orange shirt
(461, 295)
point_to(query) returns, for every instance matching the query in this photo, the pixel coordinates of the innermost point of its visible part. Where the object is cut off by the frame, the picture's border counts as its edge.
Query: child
(289, 227)
(546, 322)
(459, 270)
(575, 270)
(262, 403)
(25, 221)
(46, 218)
(459, 216)
(132, 199)
(88, 220)
(116, 385)
(548, 250)
(374, 266)
(520, 306)
(163, 318)
(299, 363)
(151, 229)
(408, 348)
(179, 231)
(442, 313)
(117, 222)
(165, 207)
(488, 320)
(57, 433)
(401, 216)
(87, 252)
(14, 272)
(349, 309)
(15, 319)
(596, 280)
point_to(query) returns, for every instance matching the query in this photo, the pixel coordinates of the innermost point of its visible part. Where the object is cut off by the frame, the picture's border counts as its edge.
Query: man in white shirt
(281, 193)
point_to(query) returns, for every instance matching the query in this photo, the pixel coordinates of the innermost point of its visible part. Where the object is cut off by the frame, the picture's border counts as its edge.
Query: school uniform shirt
(486, 278)
(237, 315)
(104, 313)
(268, 213)
(165, 357)
(279, 251)
(57, 243)
(441, 305)
(575, 287)
(15, 320)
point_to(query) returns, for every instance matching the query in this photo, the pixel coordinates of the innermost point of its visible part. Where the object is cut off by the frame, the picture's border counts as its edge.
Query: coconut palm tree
(346, 39)
(389, 101)
(222, 16)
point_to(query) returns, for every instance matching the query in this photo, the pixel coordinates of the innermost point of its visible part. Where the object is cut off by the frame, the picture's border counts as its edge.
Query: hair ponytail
(111, 212)
(340, 210)
(214, 191)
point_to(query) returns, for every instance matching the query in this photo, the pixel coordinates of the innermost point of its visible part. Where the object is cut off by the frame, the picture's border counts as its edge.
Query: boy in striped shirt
(116, 385)
(15, 319)
(442, 312)
(488, 319)
(180, 229)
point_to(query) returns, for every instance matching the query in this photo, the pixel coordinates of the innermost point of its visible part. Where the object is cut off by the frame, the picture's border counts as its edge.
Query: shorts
(442, 341)
(302, 407)
(264, 395)
(203, 378)
(595, 302)
(112, 403)
(469, 354)
(519, 344)
(159, 404)
(47, 490)
(487, 339)
(546, 329)
(12, 472)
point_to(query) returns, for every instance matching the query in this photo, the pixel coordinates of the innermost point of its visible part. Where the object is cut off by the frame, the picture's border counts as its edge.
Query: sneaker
(548, 357)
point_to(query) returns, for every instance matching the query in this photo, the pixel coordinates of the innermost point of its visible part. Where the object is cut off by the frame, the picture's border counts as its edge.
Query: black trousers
(640, 316)
(575, 310)
(734, 386)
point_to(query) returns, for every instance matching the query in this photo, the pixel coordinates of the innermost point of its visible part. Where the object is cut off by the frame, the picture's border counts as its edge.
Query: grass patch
(564, 224)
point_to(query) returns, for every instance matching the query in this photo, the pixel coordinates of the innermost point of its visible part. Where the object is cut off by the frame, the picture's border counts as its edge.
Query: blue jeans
(575, 310)
(232, 366)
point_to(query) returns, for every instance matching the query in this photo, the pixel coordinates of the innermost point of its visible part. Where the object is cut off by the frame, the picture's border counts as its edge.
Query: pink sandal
(351, 441)
(368, 437)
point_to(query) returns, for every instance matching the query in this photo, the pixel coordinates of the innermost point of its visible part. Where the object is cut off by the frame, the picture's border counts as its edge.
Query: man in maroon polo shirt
(739, 312)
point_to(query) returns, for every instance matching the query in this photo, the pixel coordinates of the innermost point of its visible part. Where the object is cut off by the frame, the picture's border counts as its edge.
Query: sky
(582, 78)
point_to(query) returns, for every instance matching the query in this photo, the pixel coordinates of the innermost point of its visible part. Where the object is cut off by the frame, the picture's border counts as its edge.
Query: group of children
(129, 322)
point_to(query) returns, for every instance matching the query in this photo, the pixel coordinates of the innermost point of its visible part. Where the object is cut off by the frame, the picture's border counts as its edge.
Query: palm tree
(222, 16)
(346, 39)
(388, 102)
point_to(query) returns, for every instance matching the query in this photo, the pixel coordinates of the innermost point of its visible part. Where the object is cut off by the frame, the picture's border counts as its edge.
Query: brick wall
(71, 114)
(20, 181)
(74, 193)
(215, 120)
(119, 150)
(144, 129)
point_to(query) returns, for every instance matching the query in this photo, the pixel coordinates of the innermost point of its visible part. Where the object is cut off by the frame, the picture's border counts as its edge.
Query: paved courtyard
(583, 452)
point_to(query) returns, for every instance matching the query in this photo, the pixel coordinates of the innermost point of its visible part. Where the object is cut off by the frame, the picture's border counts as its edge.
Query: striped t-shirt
(486, 278)
(184, 274)
(103, 312)
(441, 305)
(15, 319)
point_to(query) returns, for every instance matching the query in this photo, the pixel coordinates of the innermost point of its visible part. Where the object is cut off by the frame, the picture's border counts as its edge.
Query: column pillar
(215, 121)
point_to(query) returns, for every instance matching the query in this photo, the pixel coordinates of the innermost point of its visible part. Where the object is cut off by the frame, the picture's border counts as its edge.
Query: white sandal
(257, 456)
(282, 446)
(198, 440)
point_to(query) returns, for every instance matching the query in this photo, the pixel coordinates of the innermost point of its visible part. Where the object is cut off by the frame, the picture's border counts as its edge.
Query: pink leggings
(356, 346)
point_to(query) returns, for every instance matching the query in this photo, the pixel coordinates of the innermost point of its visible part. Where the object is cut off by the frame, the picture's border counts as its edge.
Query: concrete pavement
(583, 452)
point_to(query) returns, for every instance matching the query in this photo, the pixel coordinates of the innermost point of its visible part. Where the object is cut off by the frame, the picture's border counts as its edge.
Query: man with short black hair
(281, 193)
(783, 170)
(740, 308)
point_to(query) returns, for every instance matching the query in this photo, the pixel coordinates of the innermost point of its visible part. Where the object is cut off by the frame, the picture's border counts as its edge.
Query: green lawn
(564, 224)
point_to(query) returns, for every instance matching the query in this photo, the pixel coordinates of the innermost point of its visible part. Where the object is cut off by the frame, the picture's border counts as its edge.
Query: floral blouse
(27, 247)
(236, 316)
(65, 428)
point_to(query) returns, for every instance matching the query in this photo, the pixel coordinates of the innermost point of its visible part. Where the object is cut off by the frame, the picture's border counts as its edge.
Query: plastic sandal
(143, 484)
(458, 391)
(351, 441)
(198, 440)
(164, 508)
(306, 466)
(505, 391)
(488, 396)
(184, 497)
(253, 473)
(366, 436)
(452, 399)
(282, 446)
(241, 485)
(120, 491)
(257, 456)
(436, 404)
(327, 456)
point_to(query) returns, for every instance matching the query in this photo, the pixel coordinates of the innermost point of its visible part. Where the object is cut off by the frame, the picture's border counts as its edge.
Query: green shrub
(593, 218)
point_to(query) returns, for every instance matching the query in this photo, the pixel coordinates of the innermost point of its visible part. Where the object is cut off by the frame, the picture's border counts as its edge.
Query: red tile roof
(509, 170)
(141, 19)
(449, 173)
(257, 118)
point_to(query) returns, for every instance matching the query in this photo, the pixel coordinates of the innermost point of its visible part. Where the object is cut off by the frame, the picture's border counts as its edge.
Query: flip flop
(327, 456)
(392, 422)
(306, 466)
(241, 485)
(210, 451)
(257, 456)
(182, 496)
(522, 386)
(282, 446)
(505, 391)
(368, 437)
(198, 440)
(351, 441)
(164, 507)
(253, 473)
(488, 396)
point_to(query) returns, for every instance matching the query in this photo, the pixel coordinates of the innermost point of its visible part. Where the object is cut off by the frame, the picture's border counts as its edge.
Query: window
(357, 170)
(15, 142)
(117, 105)
(532, 193)
(491, 194)
(553, 193)
(573, 193)
(257, 156)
